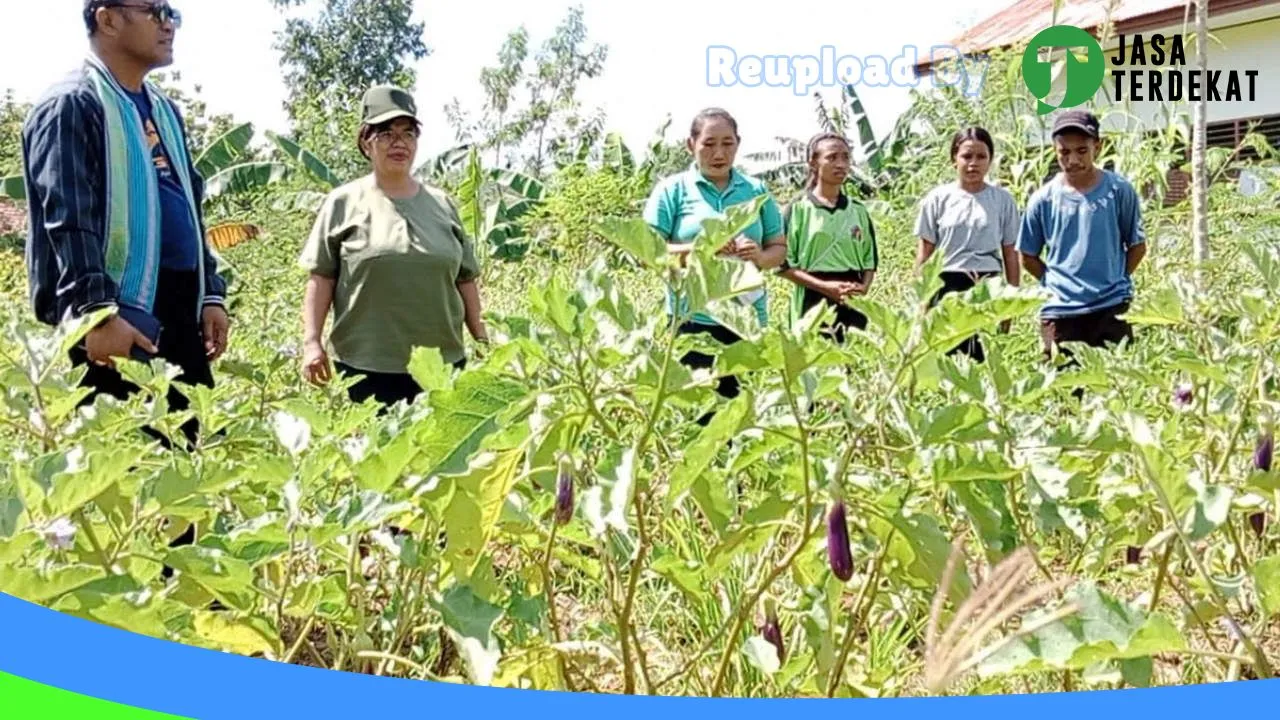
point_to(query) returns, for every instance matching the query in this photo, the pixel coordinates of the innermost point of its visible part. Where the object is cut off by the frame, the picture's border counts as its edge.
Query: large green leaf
(617, 156)
(13, 187)
(245, 177)
(518, 183)
(224, 150)
(312, 164)
(1103, 630)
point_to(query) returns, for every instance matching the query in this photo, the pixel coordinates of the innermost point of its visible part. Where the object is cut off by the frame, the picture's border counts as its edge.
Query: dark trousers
(846, 317)
(958, 282)
(728, 387)
(1099, 328)
(386, 388)
(182, 344)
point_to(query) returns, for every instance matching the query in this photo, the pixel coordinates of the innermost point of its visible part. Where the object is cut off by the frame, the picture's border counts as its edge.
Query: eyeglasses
(387, 137)
(159, 14)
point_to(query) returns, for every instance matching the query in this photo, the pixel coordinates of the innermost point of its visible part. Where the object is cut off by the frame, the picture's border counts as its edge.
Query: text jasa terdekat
(1136, 81)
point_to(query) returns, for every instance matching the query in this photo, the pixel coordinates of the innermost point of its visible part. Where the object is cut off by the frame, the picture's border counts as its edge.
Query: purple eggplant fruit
(564, 495)
(1134, 555)
(1258, 521)
(1262, 453)
(839, 554)
(772, 630)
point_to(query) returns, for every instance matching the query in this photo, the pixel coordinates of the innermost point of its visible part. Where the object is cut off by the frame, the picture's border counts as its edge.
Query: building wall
(1252, 46)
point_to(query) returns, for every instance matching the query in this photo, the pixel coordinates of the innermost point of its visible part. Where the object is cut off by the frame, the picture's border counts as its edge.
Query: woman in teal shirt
(680, 203)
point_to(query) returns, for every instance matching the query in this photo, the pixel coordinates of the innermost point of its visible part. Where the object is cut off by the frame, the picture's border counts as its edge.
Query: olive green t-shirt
(397, 264)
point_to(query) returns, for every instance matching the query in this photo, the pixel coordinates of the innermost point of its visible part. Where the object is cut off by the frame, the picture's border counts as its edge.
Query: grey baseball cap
(387, 102)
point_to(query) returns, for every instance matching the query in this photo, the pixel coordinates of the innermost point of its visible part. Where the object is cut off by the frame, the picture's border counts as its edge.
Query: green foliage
(332, 58)
(424, 543)
(12, 115)
(580, 199)
(549, 124)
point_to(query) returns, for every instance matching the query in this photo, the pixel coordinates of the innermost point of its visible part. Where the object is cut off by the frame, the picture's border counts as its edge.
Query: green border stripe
(25, 699)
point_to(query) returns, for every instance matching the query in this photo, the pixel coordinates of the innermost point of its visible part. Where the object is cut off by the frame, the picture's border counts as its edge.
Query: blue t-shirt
(1083, 240)
(680, 203)
(179, 238)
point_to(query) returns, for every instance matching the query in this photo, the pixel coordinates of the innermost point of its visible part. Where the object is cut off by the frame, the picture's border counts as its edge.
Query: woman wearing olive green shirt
(389, 256)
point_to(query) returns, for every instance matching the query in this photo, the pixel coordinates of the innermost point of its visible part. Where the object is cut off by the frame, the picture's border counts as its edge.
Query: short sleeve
(874, 242)
(789, 224)
(1130, 217)
(1009, 228)
(320, 252)
(771, 218)
(659, 213)
(926, 220)
(470, 268)
(1031, 230)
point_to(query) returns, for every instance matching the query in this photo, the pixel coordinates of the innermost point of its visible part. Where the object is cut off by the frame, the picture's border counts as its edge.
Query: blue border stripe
(103, 662)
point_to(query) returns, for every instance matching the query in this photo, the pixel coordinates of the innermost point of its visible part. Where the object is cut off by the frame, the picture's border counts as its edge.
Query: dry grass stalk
(990, 605)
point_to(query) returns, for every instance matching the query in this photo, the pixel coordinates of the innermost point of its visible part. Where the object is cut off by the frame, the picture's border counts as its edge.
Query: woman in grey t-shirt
(973, 224)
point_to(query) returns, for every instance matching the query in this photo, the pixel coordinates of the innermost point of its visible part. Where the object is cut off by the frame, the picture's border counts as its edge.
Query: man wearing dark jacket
(114, 203)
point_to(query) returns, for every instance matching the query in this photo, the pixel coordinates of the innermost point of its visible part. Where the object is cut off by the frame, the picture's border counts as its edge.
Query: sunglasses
(160, 14)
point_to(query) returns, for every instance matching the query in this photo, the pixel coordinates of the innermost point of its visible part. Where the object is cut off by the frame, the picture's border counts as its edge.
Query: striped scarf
(133, 195)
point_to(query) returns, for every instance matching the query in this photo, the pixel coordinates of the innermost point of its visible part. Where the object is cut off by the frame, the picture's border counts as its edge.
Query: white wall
(1253, 46)
(1248, 40)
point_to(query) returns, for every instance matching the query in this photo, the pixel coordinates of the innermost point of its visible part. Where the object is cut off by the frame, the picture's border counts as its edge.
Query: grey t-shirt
(969, 228)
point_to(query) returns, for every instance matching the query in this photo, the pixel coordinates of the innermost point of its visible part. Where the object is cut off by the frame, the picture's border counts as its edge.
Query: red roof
(1022, 20)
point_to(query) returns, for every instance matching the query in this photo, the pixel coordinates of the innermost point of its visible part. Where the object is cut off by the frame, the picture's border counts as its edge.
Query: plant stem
(93, 541)
(1260, 660)
(861, 609)
(637, 567)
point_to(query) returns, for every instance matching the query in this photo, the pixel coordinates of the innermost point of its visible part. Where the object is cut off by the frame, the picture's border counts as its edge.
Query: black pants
(846, 317)
(386, 388)
(728, 387)
(1099, 328)
(958, 282)
(181, 343)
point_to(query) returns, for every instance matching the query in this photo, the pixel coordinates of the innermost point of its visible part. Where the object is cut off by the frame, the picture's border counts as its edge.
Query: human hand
(115, 338)
(315, 363)
(748, 250)
(216, 327)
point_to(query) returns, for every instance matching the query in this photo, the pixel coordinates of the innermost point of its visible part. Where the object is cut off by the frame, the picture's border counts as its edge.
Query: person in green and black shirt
(832, 253)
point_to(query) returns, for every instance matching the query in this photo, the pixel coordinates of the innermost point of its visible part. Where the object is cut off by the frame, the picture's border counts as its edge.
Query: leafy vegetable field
(1011, 527)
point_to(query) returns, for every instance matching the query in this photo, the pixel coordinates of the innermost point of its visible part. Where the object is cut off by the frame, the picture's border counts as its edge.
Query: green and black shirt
(822, 239)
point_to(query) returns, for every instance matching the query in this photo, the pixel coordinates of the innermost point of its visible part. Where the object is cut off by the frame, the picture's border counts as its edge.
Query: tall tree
(561, 64)
(332, 58)
(550, 121)
(1199, 173)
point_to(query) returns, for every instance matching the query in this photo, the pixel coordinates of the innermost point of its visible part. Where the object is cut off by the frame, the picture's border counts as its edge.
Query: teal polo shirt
(680, 203)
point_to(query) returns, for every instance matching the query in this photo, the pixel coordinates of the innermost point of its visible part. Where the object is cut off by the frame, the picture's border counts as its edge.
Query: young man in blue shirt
(114, 208)
(1082, 238)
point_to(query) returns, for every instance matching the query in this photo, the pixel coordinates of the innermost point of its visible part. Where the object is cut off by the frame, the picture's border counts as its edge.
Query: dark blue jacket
(63, 147)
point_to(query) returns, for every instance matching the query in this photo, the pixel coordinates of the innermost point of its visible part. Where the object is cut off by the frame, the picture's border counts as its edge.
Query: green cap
(387, 102)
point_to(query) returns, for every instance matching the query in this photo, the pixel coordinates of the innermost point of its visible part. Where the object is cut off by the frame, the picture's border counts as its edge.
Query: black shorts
(846, 317)
(1099, 328)
(958, 282)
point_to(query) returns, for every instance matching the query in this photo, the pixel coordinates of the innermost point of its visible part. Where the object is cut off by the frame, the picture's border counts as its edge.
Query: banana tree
(220, 163)
(875, 160)
(491, 204)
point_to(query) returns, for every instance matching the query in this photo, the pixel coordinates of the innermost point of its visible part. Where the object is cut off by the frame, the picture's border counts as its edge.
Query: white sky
(657, 62)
